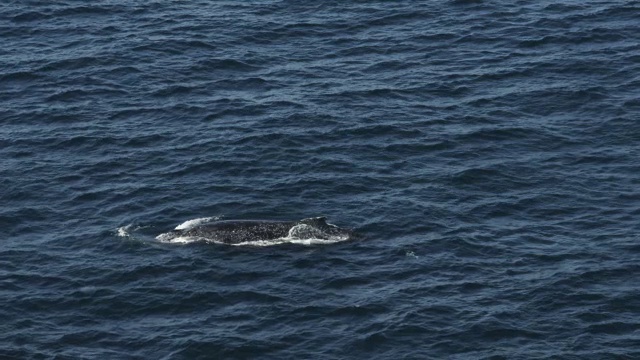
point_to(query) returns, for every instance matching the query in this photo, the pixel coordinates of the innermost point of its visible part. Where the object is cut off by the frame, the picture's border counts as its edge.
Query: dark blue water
(486, 151)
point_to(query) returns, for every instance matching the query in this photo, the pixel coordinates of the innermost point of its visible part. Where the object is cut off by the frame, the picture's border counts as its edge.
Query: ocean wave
(487, 152)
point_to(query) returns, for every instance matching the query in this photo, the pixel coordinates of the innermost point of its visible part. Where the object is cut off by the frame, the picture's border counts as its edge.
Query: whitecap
(125, 231)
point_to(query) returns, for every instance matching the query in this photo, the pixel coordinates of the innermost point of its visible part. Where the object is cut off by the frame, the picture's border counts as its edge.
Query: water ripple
(484, 152)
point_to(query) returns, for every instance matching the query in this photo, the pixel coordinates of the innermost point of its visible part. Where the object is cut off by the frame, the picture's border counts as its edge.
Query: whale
(251, 231)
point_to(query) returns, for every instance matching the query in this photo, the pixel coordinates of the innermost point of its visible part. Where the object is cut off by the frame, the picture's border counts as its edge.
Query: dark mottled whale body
(241, 231)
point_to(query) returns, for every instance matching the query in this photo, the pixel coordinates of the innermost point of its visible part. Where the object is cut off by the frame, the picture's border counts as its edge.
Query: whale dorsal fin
(316, 221)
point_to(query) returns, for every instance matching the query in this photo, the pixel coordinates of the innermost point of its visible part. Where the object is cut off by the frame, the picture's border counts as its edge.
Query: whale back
(318, 222)
(246, 231)
(237, 231)
(323, 230)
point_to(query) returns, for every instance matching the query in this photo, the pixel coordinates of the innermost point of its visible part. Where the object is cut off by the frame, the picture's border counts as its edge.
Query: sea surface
(487, 153)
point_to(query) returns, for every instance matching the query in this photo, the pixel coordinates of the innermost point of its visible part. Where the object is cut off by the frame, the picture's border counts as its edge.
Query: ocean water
(486, 152)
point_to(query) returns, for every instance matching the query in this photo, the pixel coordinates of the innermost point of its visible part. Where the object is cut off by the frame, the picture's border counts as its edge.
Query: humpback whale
(247, 231)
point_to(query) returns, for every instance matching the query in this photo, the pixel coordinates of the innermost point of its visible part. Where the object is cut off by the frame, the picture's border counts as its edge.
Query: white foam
(195, 222)
(288, 240)
(171, 239)
(410, 253)
(124, 231)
